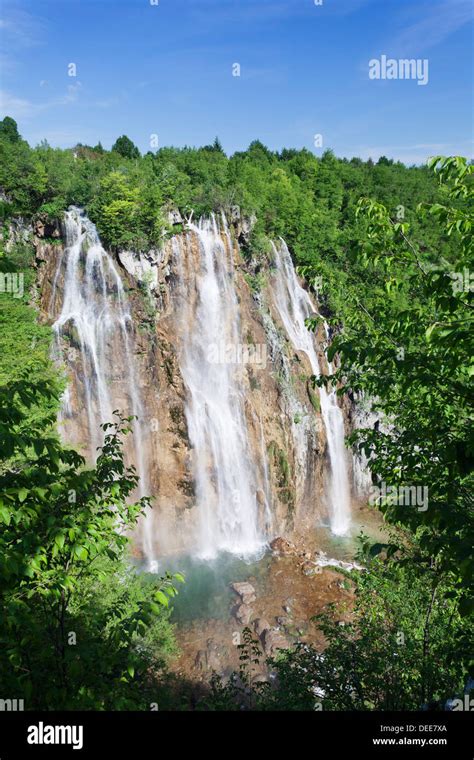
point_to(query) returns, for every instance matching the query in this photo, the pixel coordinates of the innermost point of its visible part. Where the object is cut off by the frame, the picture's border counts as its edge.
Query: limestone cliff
(286, 435)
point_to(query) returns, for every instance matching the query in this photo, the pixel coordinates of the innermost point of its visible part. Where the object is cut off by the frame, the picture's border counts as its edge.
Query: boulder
(243, 613)
(281, 547)
(248, 223)
(211, 658)
(47, 228)
(245, 590)
(214, 654)
(273, 640)
(261, 625)
(139, 267)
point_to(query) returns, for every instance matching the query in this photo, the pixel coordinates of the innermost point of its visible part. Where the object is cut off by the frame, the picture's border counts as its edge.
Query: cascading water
(295, 306)
(95, 318)
(302, 424)
(226, 476)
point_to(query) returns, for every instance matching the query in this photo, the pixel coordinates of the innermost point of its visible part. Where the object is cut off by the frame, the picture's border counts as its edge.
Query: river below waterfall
(287, 599)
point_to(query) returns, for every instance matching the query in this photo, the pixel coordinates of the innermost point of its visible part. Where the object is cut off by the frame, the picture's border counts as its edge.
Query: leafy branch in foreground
(78, 629)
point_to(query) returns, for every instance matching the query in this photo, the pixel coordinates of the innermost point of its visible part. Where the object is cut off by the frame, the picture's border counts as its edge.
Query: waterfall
(226, 476)
(303, 425)
(364, 417)
(295, 306)
(95, 322)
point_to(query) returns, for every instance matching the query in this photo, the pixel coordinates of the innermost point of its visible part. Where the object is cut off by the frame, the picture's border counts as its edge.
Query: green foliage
(403, 647)
(309, 201)
(127, 215)
(126, 148)
(77, 629)
(22, 178)
(409, 344)
(9, 130)
(24, 343)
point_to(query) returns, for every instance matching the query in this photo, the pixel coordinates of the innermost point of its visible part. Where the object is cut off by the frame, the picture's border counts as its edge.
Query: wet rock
(243, 613)
(311, 568)
(273, 640)
(281, 547)
(323, 561)
(44, 228)
(139, 267)
(246, 592)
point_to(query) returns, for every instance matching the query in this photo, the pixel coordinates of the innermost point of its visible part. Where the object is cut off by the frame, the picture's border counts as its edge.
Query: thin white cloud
(20, 28)
(411, 154)
(18, 108)
(435, 23)
(23, 109)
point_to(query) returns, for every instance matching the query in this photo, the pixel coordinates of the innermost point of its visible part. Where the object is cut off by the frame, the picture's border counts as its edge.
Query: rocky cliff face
(268, 382)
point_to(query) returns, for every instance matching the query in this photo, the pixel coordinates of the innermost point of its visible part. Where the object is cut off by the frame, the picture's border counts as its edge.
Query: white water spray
(226, 477)
(295, 306)
(96, 317)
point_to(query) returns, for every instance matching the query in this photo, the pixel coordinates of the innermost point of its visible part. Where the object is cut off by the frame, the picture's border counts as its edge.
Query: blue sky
(166, 69)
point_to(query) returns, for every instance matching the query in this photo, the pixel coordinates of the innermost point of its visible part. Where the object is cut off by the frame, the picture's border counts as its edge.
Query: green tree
(125, 147)
(408, 344)
(77, 629)
(9, 129)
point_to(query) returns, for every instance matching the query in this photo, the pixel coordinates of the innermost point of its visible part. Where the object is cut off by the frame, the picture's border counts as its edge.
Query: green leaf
(162, 598)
